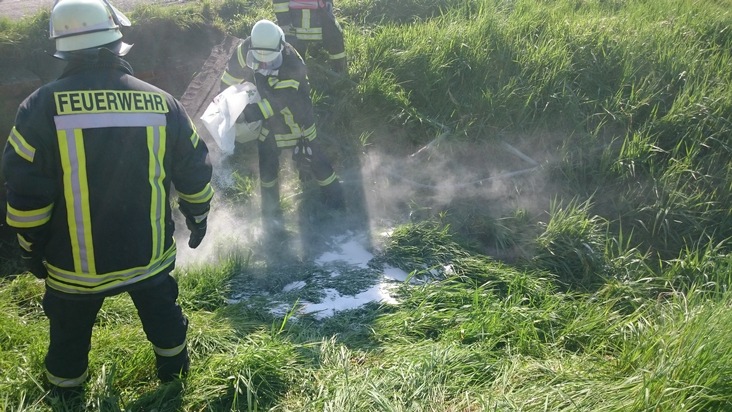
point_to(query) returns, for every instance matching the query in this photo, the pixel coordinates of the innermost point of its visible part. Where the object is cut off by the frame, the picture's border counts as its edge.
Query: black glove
(34, 264)
(198, 231)
(302, 155)
(251, 113)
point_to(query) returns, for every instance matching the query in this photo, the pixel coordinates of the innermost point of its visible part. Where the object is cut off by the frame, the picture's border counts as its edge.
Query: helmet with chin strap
(78, 25)
(267, 43)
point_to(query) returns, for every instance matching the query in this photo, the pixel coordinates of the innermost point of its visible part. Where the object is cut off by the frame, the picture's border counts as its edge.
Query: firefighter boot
(339, 65)
(70, 397)
(332, 194)
(272, 220)
(172, 367)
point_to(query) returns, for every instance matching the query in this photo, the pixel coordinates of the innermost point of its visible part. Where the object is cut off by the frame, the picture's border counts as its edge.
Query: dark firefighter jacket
(302, 15)
(285, 105)
(89, 166)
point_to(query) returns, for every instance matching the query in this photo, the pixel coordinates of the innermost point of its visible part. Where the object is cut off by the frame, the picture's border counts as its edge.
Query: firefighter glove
(34, 264)
(251, 113)
(198, 231)
(302, 155)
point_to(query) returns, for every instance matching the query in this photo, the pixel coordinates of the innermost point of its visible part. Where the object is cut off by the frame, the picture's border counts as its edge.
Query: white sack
(221, 114)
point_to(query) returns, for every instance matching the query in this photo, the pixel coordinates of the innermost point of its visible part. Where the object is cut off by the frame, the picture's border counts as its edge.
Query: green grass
(479, 335)
(618, 295)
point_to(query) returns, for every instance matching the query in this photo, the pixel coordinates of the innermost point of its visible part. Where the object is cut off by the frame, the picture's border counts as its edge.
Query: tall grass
(470, 333)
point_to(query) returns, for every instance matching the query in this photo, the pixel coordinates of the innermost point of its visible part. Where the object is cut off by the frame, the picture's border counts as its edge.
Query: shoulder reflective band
(95, 121)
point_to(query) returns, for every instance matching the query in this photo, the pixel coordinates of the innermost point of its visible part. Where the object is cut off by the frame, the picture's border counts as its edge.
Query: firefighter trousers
(321, 169)
(71, 322)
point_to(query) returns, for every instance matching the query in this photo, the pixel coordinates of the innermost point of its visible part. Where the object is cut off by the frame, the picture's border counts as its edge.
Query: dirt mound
(163, 54)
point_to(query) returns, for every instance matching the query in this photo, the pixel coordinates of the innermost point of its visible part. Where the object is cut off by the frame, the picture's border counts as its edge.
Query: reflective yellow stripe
(291, 123)
(289, 140)
(21, 147)
(156, 139)
(310, 37)
(305, 22)
(282, 7)
(337, 56)
(100, 120)
(266, 108)
(67, 382)
(76, 193)
(73, 157)
(230, 80)
(240, 56)
(306, 4)
(199, 218)
(296, 132)
(194, 138)
(328, 181)
(201, 197)
(273, 183)
(169, 353)
(305, 32)
(24, 243)
(310, 133)
(89, 283)
(28, 218)
(283, 84)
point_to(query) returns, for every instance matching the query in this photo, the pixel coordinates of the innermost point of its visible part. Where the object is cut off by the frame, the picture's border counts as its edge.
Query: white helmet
(86, 24)
(267, 42)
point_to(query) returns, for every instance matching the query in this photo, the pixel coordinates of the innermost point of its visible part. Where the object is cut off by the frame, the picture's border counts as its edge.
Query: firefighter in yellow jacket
(286, 112)
(307, 22)
(89, 166)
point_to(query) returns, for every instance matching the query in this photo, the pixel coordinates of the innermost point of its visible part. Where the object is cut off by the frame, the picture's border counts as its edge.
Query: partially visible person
(286, 112)
(312, 22)
(89, 167)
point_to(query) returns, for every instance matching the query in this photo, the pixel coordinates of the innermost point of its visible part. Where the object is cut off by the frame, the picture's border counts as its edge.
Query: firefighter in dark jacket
(89, 166)
(286, 112)
(308, 22)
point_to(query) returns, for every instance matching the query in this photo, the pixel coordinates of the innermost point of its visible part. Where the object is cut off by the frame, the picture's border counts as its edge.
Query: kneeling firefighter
(286, 111)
